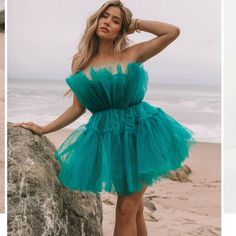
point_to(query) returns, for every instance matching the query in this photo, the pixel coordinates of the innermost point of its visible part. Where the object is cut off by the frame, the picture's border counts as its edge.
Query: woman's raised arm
(166, 33)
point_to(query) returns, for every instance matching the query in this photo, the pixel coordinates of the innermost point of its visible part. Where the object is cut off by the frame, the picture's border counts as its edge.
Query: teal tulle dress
(127, 142)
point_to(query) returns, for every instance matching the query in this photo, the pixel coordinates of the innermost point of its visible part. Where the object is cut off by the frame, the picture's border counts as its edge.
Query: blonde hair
(88, 45)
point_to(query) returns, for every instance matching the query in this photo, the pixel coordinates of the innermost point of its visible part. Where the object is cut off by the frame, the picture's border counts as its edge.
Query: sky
(43, 36)
(2, 5)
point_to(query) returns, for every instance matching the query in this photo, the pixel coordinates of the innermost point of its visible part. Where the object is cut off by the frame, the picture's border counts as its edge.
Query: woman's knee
(127, 207)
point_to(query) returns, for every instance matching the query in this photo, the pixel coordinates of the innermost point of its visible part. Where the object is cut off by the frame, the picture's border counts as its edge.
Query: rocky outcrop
(2, 161)
(37, 203)
(2, 21)
(181, 174)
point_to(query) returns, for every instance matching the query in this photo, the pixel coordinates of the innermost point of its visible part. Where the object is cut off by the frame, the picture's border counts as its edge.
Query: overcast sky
(2, 4)
(43, 36)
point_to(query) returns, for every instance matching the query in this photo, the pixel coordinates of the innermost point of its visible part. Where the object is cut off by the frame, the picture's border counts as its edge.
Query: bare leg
(140, 222)
(126, 213)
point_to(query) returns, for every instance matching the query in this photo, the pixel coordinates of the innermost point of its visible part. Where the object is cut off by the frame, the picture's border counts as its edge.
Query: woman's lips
(104, 29)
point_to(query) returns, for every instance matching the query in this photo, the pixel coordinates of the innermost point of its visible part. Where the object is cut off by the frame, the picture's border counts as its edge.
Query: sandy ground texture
(2, 123)
(176, 208)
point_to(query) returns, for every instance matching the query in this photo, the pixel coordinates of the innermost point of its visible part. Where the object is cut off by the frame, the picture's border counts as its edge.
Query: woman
(128, 144)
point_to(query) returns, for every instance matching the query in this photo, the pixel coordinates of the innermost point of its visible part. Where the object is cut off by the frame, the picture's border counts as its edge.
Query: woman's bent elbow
(176, 32)
(79, 110)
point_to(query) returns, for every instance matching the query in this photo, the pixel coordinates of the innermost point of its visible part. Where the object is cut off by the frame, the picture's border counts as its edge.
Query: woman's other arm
(70, 115)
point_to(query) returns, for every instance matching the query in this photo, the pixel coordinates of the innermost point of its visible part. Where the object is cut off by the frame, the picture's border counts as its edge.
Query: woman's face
(109, 23)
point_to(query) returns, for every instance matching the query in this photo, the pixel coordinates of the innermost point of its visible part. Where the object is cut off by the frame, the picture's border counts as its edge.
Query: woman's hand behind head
(131, 28)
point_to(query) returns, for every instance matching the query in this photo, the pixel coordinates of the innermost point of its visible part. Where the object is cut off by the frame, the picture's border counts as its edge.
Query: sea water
(198, 107)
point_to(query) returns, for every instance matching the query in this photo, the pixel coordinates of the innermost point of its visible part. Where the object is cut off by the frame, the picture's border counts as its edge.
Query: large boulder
(2, 21)
(37, 203)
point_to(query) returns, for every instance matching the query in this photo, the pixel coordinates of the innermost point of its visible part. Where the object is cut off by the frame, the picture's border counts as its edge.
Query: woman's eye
(104, 15)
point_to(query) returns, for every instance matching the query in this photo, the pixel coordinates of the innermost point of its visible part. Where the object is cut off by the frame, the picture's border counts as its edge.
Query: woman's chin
(103, 36)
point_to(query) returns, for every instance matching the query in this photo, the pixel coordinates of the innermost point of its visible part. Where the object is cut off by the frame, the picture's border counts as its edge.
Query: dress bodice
(105, 90)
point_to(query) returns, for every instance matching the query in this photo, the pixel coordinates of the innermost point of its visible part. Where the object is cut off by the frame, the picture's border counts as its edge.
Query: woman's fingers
(18, 124)
(27, 126)
(24, 123)
(33, 128)
(30, 123)
(30, 126)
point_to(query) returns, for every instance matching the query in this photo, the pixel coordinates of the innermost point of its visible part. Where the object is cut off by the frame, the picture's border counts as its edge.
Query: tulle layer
(119, 150)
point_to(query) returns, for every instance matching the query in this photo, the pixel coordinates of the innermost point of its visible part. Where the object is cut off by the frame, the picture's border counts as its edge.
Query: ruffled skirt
(120, 150)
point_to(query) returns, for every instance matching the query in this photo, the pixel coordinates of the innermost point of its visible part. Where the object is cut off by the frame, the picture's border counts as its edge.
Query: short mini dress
(127, 142)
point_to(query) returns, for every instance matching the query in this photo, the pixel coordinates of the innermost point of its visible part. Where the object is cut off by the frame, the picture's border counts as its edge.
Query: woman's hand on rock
(36, 129)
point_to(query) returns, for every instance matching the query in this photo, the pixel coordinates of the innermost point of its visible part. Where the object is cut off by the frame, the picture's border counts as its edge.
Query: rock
(150, 205)
(108, 202)
(37, 203)
(2, 21)
(149, 217)
(181, 174)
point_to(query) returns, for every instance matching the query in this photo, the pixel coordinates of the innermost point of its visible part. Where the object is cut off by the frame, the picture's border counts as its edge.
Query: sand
(182, 208)
(2, 123)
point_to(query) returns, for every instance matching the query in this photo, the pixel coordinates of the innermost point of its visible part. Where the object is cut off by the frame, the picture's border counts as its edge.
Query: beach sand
(182, 208)
(2, 123)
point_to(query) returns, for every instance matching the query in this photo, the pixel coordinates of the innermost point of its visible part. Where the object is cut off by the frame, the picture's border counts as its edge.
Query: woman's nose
(107, 22)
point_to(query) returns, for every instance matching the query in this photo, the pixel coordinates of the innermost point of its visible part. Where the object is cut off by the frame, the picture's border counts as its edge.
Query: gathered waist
(121, 119)
(131, 106)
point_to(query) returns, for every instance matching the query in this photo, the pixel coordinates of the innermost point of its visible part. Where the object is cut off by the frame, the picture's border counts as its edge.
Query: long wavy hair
(88, 44)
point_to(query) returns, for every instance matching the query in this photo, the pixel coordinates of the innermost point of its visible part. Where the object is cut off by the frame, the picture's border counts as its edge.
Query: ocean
(198, 107)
